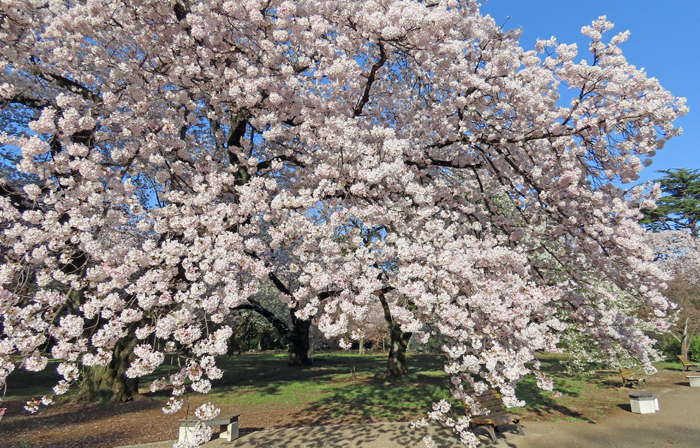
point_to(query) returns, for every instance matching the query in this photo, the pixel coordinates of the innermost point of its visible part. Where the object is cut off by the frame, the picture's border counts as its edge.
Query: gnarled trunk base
(299, 344)
(100, 382)
(396, 364)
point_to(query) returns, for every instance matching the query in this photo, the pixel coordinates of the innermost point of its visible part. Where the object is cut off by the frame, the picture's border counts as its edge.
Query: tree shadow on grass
(541, 404)
(410, 397)
(248, 369)
(373, 399)
(611, 383)
(267, 374)
(23, 384)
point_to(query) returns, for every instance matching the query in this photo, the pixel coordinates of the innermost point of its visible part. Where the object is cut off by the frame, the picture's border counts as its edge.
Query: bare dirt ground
(106, 426)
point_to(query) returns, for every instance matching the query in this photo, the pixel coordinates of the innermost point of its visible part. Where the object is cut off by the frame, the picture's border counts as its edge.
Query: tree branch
(370, 81)
(276, 322)
(72, 86)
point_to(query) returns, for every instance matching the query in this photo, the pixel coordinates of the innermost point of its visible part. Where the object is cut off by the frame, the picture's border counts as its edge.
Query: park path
(676, 425)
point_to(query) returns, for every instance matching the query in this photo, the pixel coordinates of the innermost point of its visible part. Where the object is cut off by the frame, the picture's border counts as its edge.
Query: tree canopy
(172, 155)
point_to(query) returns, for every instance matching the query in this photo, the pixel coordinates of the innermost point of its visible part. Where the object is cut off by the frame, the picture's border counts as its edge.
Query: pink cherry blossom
(183, 156)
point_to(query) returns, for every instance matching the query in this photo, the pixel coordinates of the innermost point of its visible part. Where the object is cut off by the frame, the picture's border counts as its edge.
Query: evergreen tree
(679, 208)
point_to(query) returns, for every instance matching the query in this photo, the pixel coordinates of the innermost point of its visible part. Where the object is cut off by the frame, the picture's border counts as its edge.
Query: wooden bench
(687, 364)
(631, 378)
(227, 423)
(497, 416)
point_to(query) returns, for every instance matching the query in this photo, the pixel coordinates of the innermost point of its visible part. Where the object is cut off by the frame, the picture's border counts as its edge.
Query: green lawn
(339, 387)
(23, 385)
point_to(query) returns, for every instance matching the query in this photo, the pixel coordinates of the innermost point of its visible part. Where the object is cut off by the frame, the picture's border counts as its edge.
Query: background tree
(678, 254)
(676, 220)
(679, 206)
(374, 328)
(252, 332)
(280, 313)
(687, 296)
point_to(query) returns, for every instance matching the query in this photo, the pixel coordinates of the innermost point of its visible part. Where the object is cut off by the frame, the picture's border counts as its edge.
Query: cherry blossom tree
(677, 252)
(374, 328)
(219, 130)
(282, 315)
(398, 338)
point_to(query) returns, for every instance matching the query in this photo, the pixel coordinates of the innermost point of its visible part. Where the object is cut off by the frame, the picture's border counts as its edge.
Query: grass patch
(23, 385)
(338, 388)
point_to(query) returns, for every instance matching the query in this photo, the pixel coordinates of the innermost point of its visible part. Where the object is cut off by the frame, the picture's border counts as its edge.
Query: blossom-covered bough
(677, 253)
(171, 150)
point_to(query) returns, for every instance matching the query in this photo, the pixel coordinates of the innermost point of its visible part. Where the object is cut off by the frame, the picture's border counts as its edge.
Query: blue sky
(664, 40)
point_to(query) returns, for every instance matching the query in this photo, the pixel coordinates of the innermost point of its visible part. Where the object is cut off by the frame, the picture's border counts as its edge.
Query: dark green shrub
(694, 349)
(672, 347)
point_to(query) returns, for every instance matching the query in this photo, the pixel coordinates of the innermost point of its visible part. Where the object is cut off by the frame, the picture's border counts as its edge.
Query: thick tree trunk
(124, 389)
(107, 380)
(299, 342)
(111, 380)
(396, 364)
(297, 336)
(90, 384)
